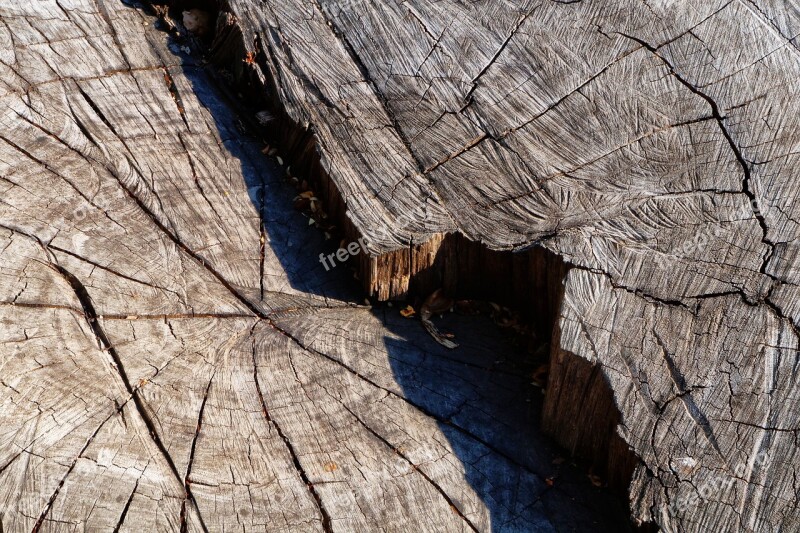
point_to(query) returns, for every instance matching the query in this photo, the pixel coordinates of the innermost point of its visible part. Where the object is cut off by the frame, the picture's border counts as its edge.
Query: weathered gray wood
(649, 144)
(172, 354)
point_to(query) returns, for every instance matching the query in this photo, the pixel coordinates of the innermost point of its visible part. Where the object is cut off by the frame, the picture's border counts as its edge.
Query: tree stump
(648, 145)
(175, 356)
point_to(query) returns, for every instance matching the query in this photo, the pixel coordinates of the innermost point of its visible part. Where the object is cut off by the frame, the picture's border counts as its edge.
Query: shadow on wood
(479, 395)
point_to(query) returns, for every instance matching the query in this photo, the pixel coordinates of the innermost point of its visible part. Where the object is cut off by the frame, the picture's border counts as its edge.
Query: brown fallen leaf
(436, 303)
(408, 312)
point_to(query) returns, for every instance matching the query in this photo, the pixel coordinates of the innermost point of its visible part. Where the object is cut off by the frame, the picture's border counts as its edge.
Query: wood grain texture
(173, 357)
(648, 144)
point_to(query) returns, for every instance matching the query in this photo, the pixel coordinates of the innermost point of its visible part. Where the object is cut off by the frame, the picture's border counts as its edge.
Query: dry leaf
(435, 304)
(408, 311)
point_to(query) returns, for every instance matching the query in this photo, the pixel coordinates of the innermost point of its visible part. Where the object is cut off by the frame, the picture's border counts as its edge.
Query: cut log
(173, 356)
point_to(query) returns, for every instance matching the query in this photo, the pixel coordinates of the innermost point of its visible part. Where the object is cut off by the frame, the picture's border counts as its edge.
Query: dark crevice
(97, 111)
(176, 97)
(186, 479)
(83, 449)
(196, 177)
(745, 165)
(326, 519)
(107, 269)
(105, 344)
(453, 505)
(216, 316)
(422, 409)
(685, 394)
(61, 176)
(517, 25)
(125, 509)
